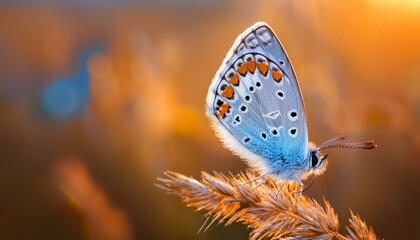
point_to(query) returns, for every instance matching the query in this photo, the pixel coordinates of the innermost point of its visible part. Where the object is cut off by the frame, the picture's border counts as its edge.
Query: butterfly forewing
(255, 101)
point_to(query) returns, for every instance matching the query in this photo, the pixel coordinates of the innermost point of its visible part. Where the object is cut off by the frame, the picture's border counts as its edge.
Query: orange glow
(103, 220)
(142, 110)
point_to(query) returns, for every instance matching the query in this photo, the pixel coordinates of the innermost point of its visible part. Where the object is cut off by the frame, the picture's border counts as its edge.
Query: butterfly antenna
(332, 140)
(253, 180)
(357, 145)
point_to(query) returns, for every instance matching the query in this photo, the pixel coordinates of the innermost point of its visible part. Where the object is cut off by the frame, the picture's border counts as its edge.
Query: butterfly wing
(255, 103)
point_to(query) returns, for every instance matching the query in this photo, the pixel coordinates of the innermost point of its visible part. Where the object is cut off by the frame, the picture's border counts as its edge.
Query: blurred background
(99, 98)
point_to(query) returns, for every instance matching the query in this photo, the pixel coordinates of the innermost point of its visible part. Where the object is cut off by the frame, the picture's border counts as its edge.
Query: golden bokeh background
(99, 98)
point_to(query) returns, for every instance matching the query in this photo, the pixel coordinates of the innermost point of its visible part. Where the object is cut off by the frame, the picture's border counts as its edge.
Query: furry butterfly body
(256, 107)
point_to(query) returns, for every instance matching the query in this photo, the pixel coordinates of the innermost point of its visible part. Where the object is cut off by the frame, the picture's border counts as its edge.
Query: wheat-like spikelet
(269, 213)
(358, 229)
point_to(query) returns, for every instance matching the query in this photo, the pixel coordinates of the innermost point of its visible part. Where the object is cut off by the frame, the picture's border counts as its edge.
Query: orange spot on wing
(242, 70)
(276, 75)
(223, 109)
(228, 92)
(263, 68)
(251, 66)
(234, 79)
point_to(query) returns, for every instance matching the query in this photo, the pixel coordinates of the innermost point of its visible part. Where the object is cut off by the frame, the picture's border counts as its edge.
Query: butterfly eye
(314, 159)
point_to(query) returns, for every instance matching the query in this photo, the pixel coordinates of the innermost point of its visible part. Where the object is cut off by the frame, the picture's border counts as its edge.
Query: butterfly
(256, 108)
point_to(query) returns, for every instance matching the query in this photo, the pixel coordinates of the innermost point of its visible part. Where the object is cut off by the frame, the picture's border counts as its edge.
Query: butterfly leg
(253, 180)
(298, 181)
(258, 185)
(281, 187)
(301, 187)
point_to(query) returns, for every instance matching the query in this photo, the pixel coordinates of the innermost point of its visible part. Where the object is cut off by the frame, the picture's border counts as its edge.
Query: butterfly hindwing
(255, 102)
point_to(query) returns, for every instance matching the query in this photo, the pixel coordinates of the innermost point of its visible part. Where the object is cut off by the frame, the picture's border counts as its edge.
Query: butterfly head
(317, 162)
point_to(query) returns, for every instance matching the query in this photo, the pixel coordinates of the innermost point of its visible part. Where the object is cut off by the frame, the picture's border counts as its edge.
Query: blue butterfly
(256, 107)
